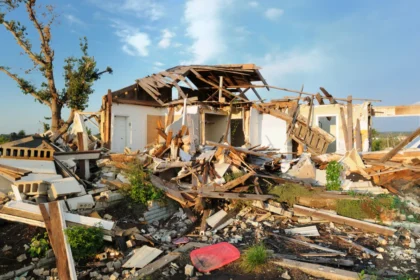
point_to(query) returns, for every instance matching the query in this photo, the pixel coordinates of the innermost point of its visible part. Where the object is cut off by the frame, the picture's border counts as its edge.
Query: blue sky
(369, 49)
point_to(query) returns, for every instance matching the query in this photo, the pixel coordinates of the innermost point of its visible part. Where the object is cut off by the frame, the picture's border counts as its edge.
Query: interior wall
(215, 126)
(267, 130)
(136, 123)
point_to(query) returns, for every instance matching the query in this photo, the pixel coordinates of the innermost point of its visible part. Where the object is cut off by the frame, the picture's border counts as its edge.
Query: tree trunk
(55, 116)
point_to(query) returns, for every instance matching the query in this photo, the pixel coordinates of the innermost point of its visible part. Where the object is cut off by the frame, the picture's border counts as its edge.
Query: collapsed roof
(196, 82)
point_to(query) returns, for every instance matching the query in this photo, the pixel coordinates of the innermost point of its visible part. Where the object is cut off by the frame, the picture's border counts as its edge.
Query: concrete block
(81, 202)
(63, 187)
(216, 218)
(189, 270)
(32, 187)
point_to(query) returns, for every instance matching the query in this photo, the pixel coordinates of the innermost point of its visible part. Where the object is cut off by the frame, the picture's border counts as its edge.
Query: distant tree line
(4, 138)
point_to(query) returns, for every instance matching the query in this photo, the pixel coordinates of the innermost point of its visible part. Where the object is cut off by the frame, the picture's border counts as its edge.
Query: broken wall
(267, 130)
(360, 112)
(130, 126)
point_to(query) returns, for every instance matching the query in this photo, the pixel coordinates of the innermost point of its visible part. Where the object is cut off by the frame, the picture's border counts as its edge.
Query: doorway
(329, 124)
(120, 133)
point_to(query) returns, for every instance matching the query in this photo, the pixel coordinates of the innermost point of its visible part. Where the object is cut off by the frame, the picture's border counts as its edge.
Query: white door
(120, 134)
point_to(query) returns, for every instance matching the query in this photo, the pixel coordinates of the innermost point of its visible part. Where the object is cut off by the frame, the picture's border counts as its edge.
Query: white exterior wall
(136, 123)
(267, 130)
(360, 111)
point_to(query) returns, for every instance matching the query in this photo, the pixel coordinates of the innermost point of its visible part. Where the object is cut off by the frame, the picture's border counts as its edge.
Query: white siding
(137, 123)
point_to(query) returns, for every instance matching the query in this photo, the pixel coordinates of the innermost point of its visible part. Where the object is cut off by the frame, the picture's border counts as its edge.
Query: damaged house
(218, 107)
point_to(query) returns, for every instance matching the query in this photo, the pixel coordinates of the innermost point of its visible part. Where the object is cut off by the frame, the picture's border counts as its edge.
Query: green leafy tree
(21, 133)
(80, 73)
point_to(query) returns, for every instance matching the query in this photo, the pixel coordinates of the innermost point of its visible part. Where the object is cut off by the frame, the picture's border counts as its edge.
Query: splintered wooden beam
(344, 127)
(169, 189)
(55, 225)
(401, 145)
(241, 150)
(350, 121)
(297, 209)
(239, 196)
(237, 181)
(319, 271)
(328, 95)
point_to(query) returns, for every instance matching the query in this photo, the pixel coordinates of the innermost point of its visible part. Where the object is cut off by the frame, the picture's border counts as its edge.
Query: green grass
(291, 192)
(254, 258)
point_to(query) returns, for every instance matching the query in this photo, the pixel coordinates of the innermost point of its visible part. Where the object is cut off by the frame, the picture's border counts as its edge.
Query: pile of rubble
(218, 200)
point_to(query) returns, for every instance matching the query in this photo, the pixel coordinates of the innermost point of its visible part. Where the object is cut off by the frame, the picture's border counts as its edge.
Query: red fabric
(214, 256)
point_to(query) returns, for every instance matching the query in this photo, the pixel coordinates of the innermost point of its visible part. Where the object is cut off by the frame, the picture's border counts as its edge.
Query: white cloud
(253, 4)
(277, 67)
(165, 41)
(74, 20)
(135, 43)
(273, 13)
(158, 64)
(205, 27)
(140, 8)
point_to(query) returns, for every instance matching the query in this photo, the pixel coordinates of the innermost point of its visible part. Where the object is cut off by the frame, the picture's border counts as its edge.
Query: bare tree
(79, 73)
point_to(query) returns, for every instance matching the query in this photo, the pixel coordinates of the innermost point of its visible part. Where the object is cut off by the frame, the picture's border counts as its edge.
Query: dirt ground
(15, 235)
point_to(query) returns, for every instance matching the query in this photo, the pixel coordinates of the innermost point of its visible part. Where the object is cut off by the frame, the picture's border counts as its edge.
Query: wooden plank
(401, 145)
(237, 181)
(241, 150)
(239, 196)
(142, 257)
(358, 247)
(350, 121)
(310, 245)
(319, 99)
(358, 136)
(169, 189)
(55, 225)
(318, 270)
(19, 171)
(329, 96)
(345, 131)
(343, 220)
(397, 111)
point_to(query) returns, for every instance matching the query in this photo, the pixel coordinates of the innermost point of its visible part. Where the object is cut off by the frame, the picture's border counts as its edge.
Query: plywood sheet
(151, 132)
(142, 257)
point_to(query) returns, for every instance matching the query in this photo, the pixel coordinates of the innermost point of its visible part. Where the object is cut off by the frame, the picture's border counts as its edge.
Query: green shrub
(333, 176)
(85, 242)
(141, 189)
(254, 258)
(39, 246)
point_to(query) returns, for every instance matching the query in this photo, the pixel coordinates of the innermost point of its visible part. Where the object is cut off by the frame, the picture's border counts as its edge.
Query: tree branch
(29, 6)
(21, 84)
(23, 45)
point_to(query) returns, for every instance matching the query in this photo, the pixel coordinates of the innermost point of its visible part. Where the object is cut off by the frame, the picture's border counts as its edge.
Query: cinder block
(63, 187)
(32, 187)
(81, 202)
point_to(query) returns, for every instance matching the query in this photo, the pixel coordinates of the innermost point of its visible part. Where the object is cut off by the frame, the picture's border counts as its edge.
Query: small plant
(361, 275)
(333, 176)
(232, 176)
(85, 242)
(141, 189)
(39, 246)
(254, 258)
